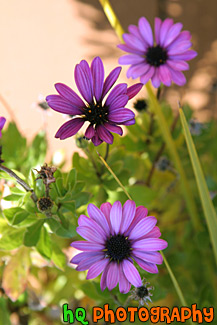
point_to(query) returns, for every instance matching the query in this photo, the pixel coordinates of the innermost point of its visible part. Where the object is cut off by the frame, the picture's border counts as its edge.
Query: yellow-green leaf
(208, 208)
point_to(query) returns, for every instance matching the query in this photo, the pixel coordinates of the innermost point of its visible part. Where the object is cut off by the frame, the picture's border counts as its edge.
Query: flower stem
(172, 276)
(109, 12)
(20, 181)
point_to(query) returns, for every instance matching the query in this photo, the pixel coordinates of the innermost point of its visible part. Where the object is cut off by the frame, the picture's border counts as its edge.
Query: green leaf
(32, 234)
(15, 275)
(4, 313)
(58, 257)
(81, 199)
(12, 197)
(142, 195)
(58, 229)
(15, 215)
(44, 244)
(11, 238)
(208, 208)
(71, 179)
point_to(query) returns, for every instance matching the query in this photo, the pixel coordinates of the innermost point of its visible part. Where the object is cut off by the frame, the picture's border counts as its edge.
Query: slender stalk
(172, 276)
(162, 122)
(20, 181)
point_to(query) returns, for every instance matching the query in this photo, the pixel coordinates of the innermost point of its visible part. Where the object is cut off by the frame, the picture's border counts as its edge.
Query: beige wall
(42, 40)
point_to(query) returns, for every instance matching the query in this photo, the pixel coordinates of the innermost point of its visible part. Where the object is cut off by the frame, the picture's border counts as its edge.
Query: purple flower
(103, 114)
(2, 123)
(162, 60)
(116, 237)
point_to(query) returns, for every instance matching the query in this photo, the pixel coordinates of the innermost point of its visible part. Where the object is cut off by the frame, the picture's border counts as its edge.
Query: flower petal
(141, 212)
(154, 233)
(131, 273)
(62, 105)
(96, 140)
(178, 77)
(69, 95)
(104, 134)
(103, 278)
(178, 65)
(91, 234)
(179, 48)
(129, 210)
(106, 208)
(118, 102)
(97, 268)
(150, 244)
(83, 256)
(120, 115)
(87, 246)
(157, 26)
(97, 215)
(165, 75)
(143, 227)
(151, 257)
(133, 90)
(120, 89)
(156, 79)
(113, 128)
(135, 43)
(149, 267)
(97, 70)
(110, 80)
(129, 49)
(186, 56)
(86, 264)
(69, 128)
(173, 33)
(124, 284)
(90, 132)
(145, 30)
(148, 75)
(131, 59)
(166, 25)
(112, 275)
(137, 70)
(116, 216)
(84, 82)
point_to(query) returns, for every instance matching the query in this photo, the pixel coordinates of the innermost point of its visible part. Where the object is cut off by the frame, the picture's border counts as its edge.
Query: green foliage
(37, 244)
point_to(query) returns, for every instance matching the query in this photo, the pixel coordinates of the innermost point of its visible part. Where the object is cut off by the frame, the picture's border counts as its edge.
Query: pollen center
(96, 114)
(118, 247)
(156, 56)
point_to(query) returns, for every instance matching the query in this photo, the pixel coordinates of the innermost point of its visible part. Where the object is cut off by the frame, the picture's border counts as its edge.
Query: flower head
(116, 237)
(2, 123)
(162, 60)
(142, 294)
(103, 115)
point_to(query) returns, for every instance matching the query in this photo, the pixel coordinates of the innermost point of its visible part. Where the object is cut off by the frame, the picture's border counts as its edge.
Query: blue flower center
(96, 114)
(156, 55)
(118, 247)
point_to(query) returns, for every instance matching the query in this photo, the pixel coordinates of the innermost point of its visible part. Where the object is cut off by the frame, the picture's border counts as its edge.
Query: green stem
(162, 122)
(172, 276)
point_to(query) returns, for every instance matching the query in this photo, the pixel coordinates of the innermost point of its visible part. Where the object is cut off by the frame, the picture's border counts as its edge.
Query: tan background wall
(41, 41)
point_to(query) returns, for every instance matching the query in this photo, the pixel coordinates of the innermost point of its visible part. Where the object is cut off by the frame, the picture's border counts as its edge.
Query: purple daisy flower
(2, 123)
(116, 237)
(103, 115)
(162, 60)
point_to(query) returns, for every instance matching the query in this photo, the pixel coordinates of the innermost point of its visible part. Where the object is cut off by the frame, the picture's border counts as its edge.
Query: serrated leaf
(32, 234)
(15, 275)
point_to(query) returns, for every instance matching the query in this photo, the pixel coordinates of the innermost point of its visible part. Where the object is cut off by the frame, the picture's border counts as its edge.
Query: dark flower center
(156, 55)
(142, 292)
(96, 114)
(118, 247)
